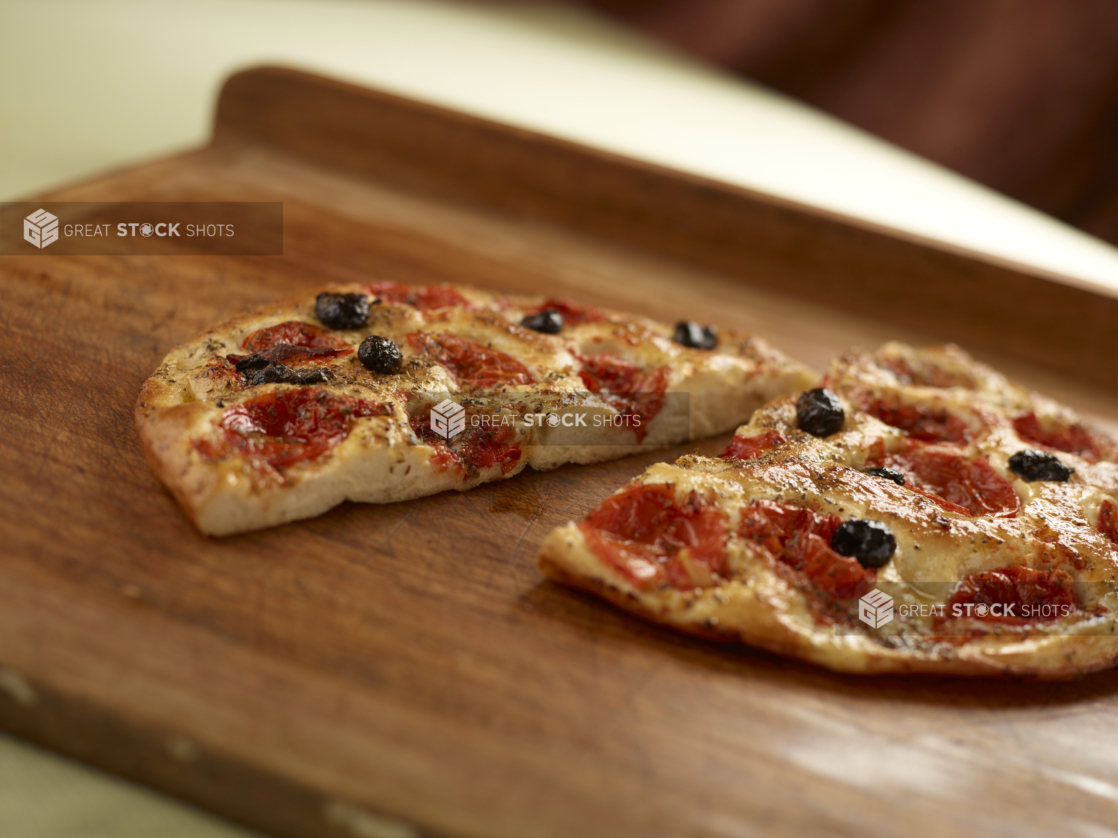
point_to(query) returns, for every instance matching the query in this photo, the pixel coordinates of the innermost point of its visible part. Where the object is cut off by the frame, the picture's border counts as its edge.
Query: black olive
(313, 375)
(691, 334)
(548, 321)
(820, 413)
(342, 311)
(380, 355)
(870, 542)
(1039, 465)
(277, 373)
(274, 373)
(887, 473)
(251, 363)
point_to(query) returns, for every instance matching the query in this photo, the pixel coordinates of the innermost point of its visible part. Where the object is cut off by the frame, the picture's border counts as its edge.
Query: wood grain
(816, 255)
(405, 669)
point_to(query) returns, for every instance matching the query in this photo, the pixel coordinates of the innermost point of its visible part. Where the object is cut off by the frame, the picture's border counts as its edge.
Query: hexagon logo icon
(448, 419)
(875, 609)
(40, 228)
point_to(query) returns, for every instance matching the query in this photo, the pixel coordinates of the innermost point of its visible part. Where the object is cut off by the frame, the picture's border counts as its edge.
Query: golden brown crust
(382, 459)
(754, 617)
(161, 434)
(760, 603)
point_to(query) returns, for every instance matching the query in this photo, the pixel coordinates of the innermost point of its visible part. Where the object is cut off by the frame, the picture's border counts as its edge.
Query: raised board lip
(229, 127)
(52, 729)
(949, 292)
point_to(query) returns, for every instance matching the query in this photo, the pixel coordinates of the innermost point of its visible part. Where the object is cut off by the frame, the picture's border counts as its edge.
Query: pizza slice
(386, 392)
(916, 513)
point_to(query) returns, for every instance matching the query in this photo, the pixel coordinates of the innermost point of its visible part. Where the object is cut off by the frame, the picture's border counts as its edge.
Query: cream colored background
(94, 84)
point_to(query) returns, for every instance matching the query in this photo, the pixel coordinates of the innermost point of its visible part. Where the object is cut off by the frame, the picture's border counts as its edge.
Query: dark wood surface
(405, 669)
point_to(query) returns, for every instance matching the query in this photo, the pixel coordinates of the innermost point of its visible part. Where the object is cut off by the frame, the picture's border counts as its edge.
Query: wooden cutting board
(402, 670)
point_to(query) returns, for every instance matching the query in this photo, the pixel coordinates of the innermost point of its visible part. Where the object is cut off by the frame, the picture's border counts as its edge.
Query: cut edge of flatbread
(381, 459)
(764, 603)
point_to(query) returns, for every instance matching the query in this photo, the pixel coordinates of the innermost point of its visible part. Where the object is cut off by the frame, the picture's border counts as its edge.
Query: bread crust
(761, 606)
(181, 406)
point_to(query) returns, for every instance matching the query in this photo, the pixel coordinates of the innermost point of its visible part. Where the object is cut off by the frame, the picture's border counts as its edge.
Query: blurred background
(988, 124)
(1020, 95)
